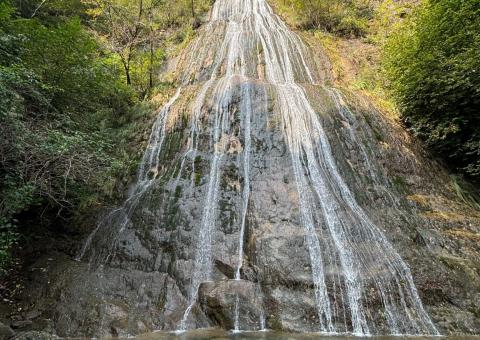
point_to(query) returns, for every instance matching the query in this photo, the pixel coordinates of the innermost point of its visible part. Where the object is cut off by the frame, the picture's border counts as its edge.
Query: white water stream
(251, 24)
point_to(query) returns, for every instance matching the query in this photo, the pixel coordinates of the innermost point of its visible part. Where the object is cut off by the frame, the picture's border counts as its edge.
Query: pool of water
(218, 334)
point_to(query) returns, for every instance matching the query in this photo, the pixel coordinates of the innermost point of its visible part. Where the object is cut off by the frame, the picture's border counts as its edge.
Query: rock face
(267, 198)
(230, 301)
(34, 335)
(6, 332)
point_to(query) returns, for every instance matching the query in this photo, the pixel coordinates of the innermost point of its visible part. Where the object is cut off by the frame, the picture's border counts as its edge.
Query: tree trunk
(151, 60)
(127, 73)
(129, 81)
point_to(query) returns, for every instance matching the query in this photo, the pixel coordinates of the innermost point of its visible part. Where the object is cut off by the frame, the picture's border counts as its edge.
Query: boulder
(233, 304)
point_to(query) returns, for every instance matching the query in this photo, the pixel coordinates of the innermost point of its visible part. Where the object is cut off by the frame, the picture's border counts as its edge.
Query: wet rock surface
(6, 332)
(34, 335)
(137, 271)
(220, 299)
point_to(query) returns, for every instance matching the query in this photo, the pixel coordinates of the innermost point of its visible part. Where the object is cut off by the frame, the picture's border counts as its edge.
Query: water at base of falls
(258, 51)
(269, 335)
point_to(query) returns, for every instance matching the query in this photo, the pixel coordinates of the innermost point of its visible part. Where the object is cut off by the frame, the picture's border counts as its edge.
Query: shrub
(433, 62)
(60, 104)
(347, 18)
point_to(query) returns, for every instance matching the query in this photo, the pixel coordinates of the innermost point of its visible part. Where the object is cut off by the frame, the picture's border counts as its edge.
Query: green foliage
(65, 59)
(61, 100)
(50, 11)
(72, 78)
(8, 238)
(388, 15)
(347, 18)
(433, 62)
(138, 32)
(466, 192)
(15, 199)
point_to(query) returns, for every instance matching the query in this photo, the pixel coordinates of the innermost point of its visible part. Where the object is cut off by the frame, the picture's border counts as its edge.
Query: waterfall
(257, 49)
(146, 175)
(246, 108)
(251, 23)
(203, 258)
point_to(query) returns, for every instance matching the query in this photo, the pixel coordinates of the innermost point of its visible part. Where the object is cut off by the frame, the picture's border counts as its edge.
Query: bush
(433, 62)
(352, 26)
(61, 100)
(67, 114)
(347, 18)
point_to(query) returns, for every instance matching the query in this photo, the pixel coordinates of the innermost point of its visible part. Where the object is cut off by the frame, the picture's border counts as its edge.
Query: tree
(433, 60)
(58, 97)
(129, 28)
(120, 21)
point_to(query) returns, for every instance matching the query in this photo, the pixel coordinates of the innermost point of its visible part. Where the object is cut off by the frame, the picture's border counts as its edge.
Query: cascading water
(203, 257)
(318, 179)
(147, 173)
(257, 50)
(246, 109)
